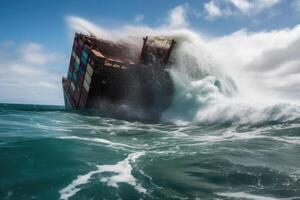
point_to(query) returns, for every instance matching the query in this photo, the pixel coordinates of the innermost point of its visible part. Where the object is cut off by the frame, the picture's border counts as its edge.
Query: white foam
(243, 195)
(245, 113)
(122, 174)
(72, 188)
(93, 139)
(289, 140)
(231, 134)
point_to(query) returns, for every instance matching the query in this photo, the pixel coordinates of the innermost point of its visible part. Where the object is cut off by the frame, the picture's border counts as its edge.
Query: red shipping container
(79, 77)
(71, 69)
(79, 51)
(75, 44)
(80, 43)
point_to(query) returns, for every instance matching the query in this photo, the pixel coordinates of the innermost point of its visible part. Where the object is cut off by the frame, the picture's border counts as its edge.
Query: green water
(48, 153)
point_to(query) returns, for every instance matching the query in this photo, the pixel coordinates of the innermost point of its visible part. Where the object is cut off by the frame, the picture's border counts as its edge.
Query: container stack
(80, 74)
(105, 74)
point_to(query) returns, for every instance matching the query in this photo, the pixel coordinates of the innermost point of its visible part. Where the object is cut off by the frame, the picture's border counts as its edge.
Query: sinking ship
(119, 77)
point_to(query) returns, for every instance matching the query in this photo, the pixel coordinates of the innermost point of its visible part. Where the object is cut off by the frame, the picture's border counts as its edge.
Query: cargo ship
(118, 77)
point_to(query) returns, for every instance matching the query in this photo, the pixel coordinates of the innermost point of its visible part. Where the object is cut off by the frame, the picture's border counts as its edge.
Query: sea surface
(49, 153)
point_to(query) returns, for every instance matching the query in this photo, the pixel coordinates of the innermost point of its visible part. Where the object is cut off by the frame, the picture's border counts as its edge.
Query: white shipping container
(77, 60)
(86, 86)
(73, 54)
(89, 69)
(87, 78)
(72, 86)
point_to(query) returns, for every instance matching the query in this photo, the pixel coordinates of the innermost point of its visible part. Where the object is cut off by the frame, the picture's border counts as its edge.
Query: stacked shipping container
(80, 74)
(104, 74)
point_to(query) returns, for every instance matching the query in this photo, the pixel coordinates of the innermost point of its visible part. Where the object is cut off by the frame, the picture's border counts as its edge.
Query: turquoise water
(48, 153)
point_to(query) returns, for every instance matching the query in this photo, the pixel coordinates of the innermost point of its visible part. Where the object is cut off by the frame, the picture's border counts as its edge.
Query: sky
(36, 37)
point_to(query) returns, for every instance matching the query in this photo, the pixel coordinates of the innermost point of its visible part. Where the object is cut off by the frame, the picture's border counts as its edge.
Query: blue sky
(40, 27)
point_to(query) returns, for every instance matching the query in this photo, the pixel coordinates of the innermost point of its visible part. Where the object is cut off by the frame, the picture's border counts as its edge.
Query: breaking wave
(206, 93)
(210, 91)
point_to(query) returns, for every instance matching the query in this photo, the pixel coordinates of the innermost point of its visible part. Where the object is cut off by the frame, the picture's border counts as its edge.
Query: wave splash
(207, 93)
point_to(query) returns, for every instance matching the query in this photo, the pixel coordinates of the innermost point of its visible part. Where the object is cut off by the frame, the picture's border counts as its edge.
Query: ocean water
(49, 153)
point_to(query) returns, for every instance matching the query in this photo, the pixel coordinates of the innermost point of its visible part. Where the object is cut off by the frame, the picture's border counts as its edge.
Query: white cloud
(261, 61)
(243, 5)
(139, 18)
(212, 10)
(34, 53)
(254, 6)
(26, 75)
(237, 7)
(262, 4)
(177, 17)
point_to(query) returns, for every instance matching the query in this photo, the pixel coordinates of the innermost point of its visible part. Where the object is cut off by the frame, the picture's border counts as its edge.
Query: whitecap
(122, 174)
(243, 195)
(97, 140)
